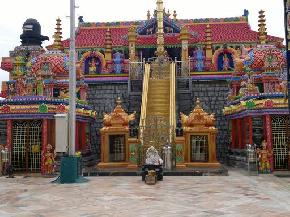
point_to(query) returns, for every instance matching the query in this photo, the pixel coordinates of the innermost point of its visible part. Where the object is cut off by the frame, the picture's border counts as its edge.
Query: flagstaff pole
(287, 39)
(72, 82)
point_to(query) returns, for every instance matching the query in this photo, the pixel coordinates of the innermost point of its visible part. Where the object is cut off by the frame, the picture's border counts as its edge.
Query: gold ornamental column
(160, 32)
(132, 38)
(184, 37)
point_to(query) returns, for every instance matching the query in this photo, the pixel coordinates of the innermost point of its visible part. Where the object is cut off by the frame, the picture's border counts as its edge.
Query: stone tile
(234, 195)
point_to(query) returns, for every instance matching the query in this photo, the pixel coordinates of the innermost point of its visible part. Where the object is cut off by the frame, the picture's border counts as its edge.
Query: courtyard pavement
(234, 195)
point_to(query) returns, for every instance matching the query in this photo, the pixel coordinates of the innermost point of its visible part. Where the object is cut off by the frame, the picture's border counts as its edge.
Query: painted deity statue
(118, 58)
(49, 160)
(39, 86)
(21, 86)
(92, 67)
(152, 157)
(264, 155)
(199, 54)
(226, 64)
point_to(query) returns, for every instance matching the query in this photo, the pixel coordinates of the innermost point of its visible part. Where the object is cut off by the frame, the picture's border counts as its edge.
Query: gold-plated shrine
(198, 145)
(117, 149)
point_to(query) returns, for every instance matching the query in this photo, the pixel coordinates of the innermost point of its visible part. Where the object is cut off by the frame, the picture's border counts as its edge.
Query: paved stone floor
(234, 195)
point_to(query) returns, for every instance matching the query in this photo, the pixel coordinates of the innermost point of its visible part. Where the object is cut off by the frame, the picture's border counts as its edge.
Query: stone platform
(219, 171)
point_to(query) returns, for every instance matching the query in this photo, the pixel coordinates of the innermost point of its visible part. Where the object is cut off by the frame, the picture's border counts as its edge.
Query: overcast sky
(15, 12)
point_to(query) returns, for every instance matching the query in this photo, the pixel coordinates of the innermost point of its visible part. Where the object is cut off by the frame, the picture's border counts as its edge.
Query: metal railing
(182, 68)
(136, 70)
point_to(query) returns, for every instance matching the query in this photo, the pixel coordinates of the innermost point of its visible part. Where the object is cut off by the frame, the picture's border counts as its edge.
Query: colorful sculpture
(92, 67)
(49, 157)
(264, 155)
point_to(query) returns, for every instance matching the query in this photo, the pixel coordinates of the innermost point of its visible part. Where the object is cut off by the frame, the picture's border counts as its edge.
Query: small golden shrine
(199, 139)
(117, 149)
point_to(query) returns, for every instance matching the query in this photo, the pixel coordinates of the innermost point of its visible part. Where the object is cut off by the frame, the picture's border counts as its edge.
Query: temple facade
(201, 58)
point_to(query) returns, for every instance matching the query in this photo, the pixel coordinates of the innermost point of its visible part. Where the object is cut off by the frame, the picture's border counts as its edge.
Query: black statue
(32, 33)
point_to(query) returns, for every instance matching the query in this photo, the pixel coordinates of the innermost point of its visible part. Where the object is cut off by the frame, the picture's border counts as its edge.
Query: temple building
(36, 102)
(158, 68)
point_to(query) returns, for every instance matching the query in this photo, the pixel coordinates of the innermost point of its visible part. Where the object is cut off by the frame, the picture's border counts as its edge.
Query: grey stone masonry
(102, 97)
(212, 95)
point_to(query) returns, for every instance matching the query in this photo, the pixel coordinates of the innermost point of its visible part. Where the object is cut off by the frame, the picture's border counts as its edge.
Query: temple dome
(264, 57)
(54, 62)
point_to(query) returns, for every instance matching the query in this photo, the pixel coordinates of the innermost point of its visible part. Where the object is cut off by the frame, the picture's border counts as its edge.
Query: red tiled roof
(222, 32)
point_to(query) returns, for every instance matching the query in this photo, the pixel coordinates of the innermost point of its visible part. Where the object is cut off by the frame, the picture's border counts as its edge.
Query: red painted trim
(233, 133)
(250, 122)
(84, 136)
(9, 138)
(269, 138)
(44, 144)
(239, 123)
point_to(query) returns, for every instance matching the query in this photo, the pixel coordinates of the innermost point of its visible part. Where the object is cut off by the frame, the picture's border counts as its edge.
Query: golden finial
(262, 28)
(57, 44)
(119, 101)
(148, 15)
(174, 15)
(197, 102)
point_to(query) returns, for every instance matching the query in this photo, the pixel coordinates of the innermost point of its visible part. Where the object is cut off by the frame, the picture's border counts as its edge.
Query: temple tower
(57, 44)
(108, 45)
(262, 28)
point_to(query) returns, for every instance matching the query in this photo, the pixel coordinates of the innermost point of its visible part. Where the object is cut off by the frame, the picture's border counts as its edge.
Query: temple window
(117, 148)
(199, 148)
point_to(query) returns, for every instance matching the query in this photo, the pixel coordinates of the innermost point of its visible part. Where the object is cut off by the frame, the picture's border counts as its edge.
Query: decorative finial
(168, 13)
(148, 15)
(119, 101)
(197, 102)
(262, 28)
(57, 44)
(174, 15)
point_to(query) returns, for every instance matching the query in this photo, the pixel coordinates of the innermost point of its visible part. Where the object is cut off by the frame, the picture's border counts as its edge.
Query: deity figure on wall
(226, 63)
(92, 67)
(11, 90)
(21, 86)
(49, 157)
(118, 59)
(264, 155)
(199, 55)
(39, 86)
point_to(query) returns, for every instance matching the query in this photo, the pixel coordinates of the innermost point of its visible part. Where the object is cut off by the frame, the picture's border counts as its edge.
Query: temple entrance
(26, 146)
(280, 143)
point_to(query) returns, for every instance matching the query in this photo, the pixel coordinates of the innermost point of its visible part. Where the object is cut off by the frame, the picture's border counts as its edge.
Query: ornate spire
(118, 118)
(262, 28)
(208, 39)
(57, 44)
(108, 45)
(148, 15)
(198, 118)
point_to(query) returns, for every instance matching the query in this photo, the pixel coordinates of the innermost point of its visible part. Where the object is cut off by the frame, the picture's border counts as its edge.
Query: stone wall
(102, 97)
(212, 95)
